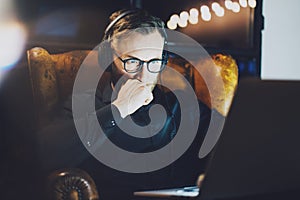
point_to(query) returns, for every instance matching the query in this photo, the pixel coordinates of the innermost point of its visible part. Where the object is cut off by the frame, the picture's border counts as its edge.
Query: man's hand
(133, 95)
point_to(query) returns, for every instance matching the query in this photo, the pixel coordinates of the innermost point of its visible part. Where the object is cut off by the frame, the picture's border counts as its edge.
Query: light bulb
(194, 12)
(171, 25)
(204, 9)
(228, 4)
(252, 3)
(220, 12)
(215, 6)
(184, 15)
(206, 16)
(243, 3)
(174, 18)
(236, 7)
(182, 23)
(193, 20)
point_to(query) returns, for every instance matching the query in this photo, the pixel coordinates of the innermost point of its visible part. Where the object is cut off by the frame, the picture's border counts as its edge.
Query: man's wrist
(123, 110)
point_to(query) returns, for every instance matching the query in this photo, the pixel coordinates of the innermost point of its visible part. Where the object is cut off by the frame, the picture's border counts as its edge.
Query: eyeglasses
(133, 65)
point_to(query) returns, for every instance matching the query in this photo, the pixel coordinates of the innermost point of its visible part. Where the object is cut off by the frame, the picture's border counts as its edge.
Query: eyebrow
(127, 56)
(130, 56)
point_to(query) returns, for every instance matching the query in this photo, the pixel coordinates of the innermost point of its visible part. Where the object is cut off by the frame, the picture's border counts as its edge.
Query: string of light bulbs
(205, 11)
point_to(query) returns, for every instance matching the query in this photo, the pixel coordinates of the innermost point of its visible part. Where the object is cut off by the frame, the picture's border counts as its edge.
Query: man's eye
(132, 61)
(156, 62)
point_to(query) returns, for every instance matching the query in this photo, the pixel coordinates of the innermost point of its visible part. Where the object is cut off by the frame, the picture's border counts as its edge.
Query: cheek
(120, 70)
(152, 78)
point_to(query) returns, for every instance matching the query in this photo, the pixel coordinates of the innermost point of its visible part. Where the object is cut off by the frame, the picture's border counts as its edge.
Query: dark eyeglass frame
(141, 64)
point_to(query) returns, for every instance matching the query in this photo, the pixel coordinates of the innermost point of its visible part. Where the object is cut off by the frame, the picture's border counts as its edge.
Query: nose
(143, 75)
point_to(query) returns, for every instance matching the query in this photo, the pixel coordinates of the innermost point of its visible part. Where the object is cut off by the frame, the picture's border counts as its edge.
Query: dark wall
(259, 152)
(19, 167)
(66, 25)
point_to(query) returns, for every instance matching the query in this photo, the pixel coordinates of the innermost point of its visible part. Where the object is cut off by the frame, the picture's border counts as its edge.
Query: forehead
(138, 43)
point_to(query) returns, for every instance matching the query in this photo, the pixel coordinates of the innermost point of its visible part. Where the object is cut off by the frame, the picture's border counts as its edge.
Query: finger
(130, 86)
(148, 99)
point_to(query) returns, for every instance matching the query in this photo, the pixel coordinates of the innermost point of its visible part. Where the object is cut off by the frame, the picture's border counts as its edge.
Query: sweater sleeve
(108, 117)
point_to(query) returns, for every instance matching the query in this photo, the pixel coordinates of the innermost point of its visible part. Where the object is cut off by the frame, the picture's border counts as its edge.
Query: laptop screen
(258, 151)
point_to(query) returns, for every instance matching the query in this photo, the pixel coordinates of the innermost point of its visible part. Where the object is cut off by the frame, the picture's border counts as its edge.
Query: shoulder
(182, 102)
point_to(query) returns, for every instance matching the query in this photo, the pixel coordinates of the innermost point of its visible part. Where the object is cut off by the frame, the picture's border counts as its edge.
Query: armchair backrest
(53, 75)
(52, 78)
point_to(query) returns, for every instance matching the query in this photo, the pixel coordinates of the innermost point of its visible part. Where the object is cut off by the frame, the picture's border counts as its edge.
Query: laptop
(258, 152)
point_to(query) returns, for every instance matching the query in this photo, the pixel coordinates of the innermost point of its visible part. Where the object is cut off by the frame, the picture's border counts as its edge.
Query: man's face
(143, 47)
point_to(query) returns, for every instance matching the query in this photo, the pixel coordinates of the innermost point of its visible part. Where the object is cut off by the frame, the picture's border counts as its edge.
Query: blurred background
(262, 36)
(232, 27)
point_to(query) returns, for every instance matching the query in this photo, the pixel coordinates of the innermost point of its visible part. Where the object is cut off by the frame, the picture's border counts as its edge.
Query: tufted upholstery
(221, 95)
(215, 68)
(71, 184)
(52, 77)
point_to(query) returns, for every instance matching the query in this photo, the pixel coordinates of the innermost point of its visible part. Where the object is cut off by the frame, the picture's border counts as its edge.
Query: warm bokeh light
(6, 9)
(204, 9)
(220, 12)
(182, 23)
(252, 3)
(174, 18)
(206, 16)
(171, 25)
(184, 15)
(193, 20)
(12, 40)
(243, 3)
(215, 6)
(12, 36)
(236, 7)
(194, 13)
(228, 4)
